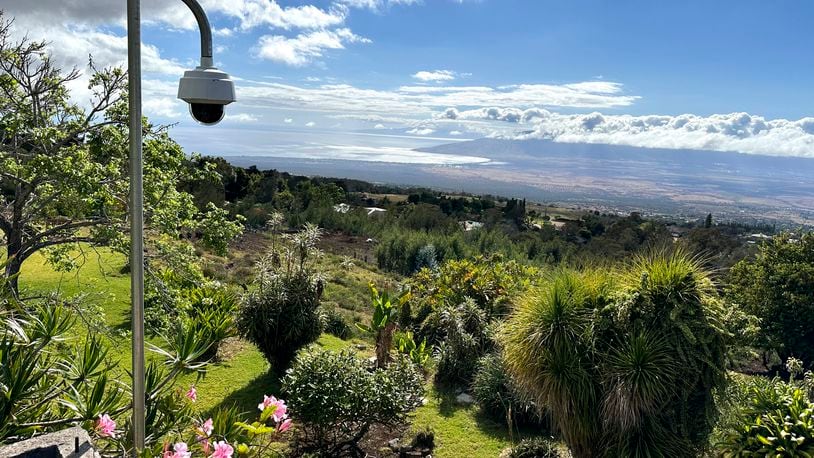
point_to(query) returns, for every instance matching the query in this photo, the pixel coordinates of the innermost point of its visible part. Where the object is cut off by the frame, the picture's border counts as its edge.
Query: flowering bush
(221, 436)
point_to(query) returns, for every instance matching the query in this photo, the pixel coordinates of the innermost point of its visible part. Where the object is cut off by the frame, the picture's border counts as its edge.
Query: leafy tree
(63, 168)
(778, 287)
(626, 363)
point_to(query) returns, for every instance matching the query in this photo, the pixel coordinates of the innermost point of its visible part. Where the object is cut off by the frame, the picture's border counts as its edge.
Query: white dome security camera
(207, 90)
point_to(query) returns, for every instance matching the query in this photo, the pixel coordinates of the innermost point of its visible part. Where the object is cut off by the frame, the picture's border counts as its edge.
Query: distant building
(760, 236)
(470, 225)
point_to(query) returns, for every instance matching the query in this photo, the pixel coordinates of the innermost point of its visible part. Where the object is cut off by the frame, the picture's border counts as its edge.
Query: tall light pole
(207, 90)
(136, 218)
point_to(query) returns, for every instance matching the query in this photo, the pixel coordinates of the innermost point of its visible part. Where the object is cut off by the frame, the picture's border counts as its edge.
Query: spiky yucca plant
(625, 361)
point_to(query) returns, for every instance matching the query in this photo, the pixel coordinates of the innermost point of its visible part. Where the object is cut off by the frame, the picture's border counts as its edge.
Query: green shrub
(212, 310)
(419, 354)
(465, 334)
(777, 420)
(335, 324)
(778, 287)
(626, 362)
(280, 314)
(338, 397)
(498, 398)
(533, 448)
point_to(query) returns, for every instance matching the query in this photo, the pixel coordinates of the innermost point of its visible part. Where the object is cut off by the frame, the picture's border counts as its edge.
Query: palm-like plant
(280, 314)
(383, 324)
(625, 361)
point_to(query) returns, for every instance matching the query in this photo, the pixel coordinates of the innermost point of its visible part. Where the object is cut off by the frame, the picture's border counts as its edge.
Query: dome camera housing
(207, 90)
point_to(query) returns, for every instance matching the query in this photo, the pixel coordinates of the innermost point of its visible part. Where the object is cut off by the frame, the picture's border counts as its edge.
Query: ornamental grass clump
(625, 362)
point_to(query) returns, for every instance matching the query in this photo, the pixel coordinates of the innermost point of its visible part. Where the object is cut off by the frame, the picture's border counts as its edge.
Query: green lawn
(244, 377)
(460, 430)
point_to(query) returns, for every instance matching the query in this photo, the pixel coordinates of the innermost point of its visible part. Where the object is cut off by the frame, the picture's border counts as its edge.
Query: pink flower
(267, 402)
(222, 450)
(284, 426)
(280, 408)
(106, 426)
(206, 429)
(192, 394)
(181, 450)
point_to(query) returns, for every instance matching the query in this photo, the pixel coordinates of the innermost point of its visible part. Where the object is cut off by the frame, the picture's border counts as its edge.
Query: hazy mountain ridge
(762, 186)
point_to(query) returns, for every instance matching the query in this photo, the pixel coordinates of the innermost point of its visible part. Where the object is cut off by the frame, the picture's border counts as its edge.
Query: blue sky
(725, 75)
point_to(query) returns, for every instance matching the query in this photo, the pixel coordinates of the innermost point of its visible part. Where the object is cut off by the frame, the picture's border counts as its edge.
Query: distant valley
(687, 183)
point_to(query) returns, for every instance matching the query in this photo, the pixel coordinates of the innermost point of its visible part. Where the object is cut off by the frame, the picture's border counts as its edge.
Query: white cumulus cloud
(436, 75)
(739, 132)
(306, 47)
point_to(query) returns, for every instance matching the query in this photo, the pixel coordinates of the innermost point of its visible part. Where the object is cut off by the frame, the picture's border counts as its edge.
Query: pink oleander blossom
(222, 450)
(181, 450)
(284, 426)
(192, 394)
(206, 428)
(106, 426)
(280, 408)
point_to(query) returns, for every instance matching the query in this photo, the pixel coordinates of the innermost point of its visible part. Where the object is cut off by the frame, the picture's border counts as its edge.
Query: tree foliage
(778, 287)
(63, 165)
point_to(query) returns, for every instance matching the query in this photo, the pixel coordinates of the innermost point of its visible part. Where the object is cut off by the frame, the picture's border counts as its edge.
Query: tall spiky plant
(280, 313)
(625, 361)
(548, 349)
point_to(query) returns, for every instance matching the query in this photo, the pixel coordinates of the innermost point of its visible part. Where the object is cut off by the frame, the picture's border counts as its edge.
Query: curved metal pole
(137, 198)
(206, 31)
